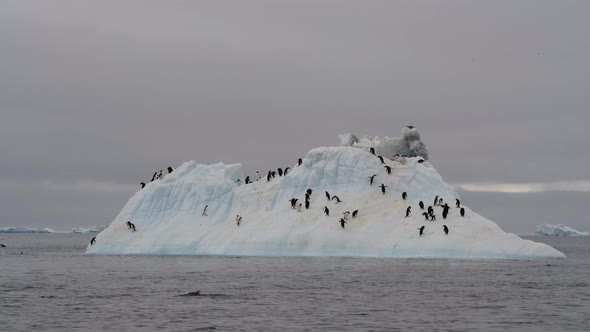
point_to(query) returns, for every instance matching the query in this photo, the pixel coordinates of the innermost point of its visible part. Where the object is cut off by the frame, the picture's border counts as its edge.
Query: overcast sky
(97, 95)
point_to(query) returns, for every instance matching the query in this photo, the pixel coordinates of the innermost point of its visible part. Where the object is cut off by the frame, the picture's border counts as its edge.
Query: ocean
(47, 283)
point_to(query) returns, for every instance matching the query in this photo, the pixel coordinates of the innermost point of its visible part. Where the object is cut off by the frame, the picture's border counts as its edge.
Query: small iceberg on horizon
(558, 230)
(89, 230)
(25, 230)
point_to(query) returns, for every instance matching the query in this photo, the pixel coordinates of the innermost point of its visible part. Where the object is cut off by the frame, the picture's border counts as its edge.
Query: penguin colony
(429, 214)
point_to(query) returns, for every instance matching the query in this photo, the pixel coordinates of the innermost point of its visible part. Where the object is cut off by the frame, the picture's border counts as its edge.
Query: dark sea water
(48, 284)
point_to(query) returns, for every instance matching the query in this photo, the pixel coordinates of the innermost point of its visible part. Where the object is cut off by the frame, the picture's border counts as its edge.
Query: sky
(95, 96)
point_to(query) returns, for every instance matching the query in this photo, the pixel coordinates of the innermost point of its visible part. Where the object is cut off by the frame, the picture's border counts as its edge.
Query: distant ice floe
(25, 230)
(89, 230)
(558, 230)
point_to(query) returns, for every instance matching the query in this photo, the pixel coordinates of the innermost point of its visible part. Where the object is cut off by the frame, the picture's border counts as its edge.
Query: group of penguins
(157, 176)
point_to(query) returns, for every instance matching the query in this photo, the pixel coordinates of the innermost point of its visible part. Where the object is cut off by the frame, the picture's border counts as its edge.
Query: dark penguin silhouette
(170, 169)
(435, 200)
(205, 210)
(372, 177)
(408, 211)
(268, 176)
(336, 198)
(238, 219)
(381, 159)
(440, 201)
(280, 171)
(273, 174)
(445, 213)
(247, 180)
(142, 185)
(346, 215)
(426, 215)
(326, 210)
(388, 169)
(421, 229)
(430, 210)
(154, 176)
(404, 195)
(342, 222)
(462, 212)
(309, 191)
(93, 240)
(457, 203)
(420, 161)
(160, 174)
(328, 195)
(421, 205)
(383, 188)
(286, 170)
(307, 205)
(372, 150)
(131, 226)
(355, 213)
(446, 229)
(293, 202)
(299, 162)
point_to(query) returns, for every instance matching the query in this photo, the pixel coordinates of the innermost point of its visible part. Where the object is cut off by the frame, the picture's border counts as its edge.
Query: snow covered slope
(558, 230)
(167, 214)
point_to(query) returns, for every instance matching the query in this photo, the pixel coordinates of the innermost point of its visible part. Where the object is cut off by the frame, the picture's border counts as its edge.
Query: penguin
(128, 223)
(420, 161)
(257, 176)
(446, 206)
(346, 215)
(280, 171)
(293, 203)
(160, 176)
(355, 213)
(142, 185)
(238, 220)
(445, 213)
(307, 205)
(309, 191)
(430, 210)
(462, 212)
(372, 150)
(408, 211)
(268, 176)
(435, 200)
(426, 215)
(421, 205)
(421, 230)
(388, 169)
(326, 211)
(457, 203)
(131, 226)
(93, 240)
(286, 171)
(404, 195)
(273, 174)
(170, 169)
(247, 181)
(446, 229)
(299, 162)
(342, 222)
(440, 201)
(337, 199)
(328, 195)
(432, 217)
(383, 188)
(299, 207)
(372, 177)
(154, 176)
(205, 211)
(239, 182)
(381, 159)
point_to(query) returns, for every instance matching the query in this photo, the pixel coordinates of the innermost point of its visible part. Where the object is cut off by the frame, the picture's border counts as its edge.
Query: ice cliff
(558, 230)
(168, 213)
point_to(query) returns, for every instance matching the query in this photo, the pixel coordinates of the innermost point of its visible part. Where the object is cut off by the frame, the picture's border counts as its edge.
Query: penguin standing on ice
(247, 180)
(372, 177)
(326, 210)
(404, 195)
(337, 199)
(257, 176)
(445, 213)
(280, 171)
(93, 240)
(462, 211)
(238, 219)
(342, 222)
(457, 203)
(388, 169)
(421, 229)
(239, 182)
(131, 226)
(286, 171)
(299, 162)
(435, 201)
(170, 169)
(307, 204)
(160, 176)
(381, 159)
(440, 201)
(355, 213)
(327, 195)
(205, 211)
(408, 211)
(421, 205)
(430, 210)
(346, 215)
(154, 176)
(268, 176)
(293, 203)
(142, 185)
(372, 150)
(426, 215)
(446, 229)
(383, 188)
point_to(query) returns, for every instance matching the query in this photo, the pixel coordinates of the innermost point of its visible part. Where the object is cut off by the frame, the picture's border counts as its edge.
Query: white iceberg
(558, 230)
(168, 213)
(89, 230)
(25, 230)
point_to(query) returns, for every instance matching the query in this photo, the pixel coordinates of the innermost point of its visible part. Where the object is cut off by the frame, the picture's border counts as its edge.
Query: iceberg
(89, 230)
(558, 230)
(168, 213)
(25, 230)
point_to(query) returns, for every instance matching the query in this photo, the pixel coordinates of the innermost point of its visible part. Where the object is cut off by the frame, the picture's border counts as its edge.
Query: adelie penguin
(170, 169)
(154, 176)
(408, 211)
(328, 195)
(326, 210)
(404, 195)
(307, 205)
(421, 205)
(238, 219)
(457, 203)
(257, 176)
(286, 171)
(383, 188)
(355, 213)
(388, 169)
(336, 198)
(205, 211)
(381, 159)
(131, 226)
(346, 215)
(435, 201)
(430, 210)
(280, 171)
(93, 240)
(160, 176)
(372, 150)
(299, 162)
(268, 176)
(293, 203)
(462, 211)
(446, 229)
(142, 185)
(247, 181)
(421, 229)
(372, 177)
(342, 222)
(426, 215)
